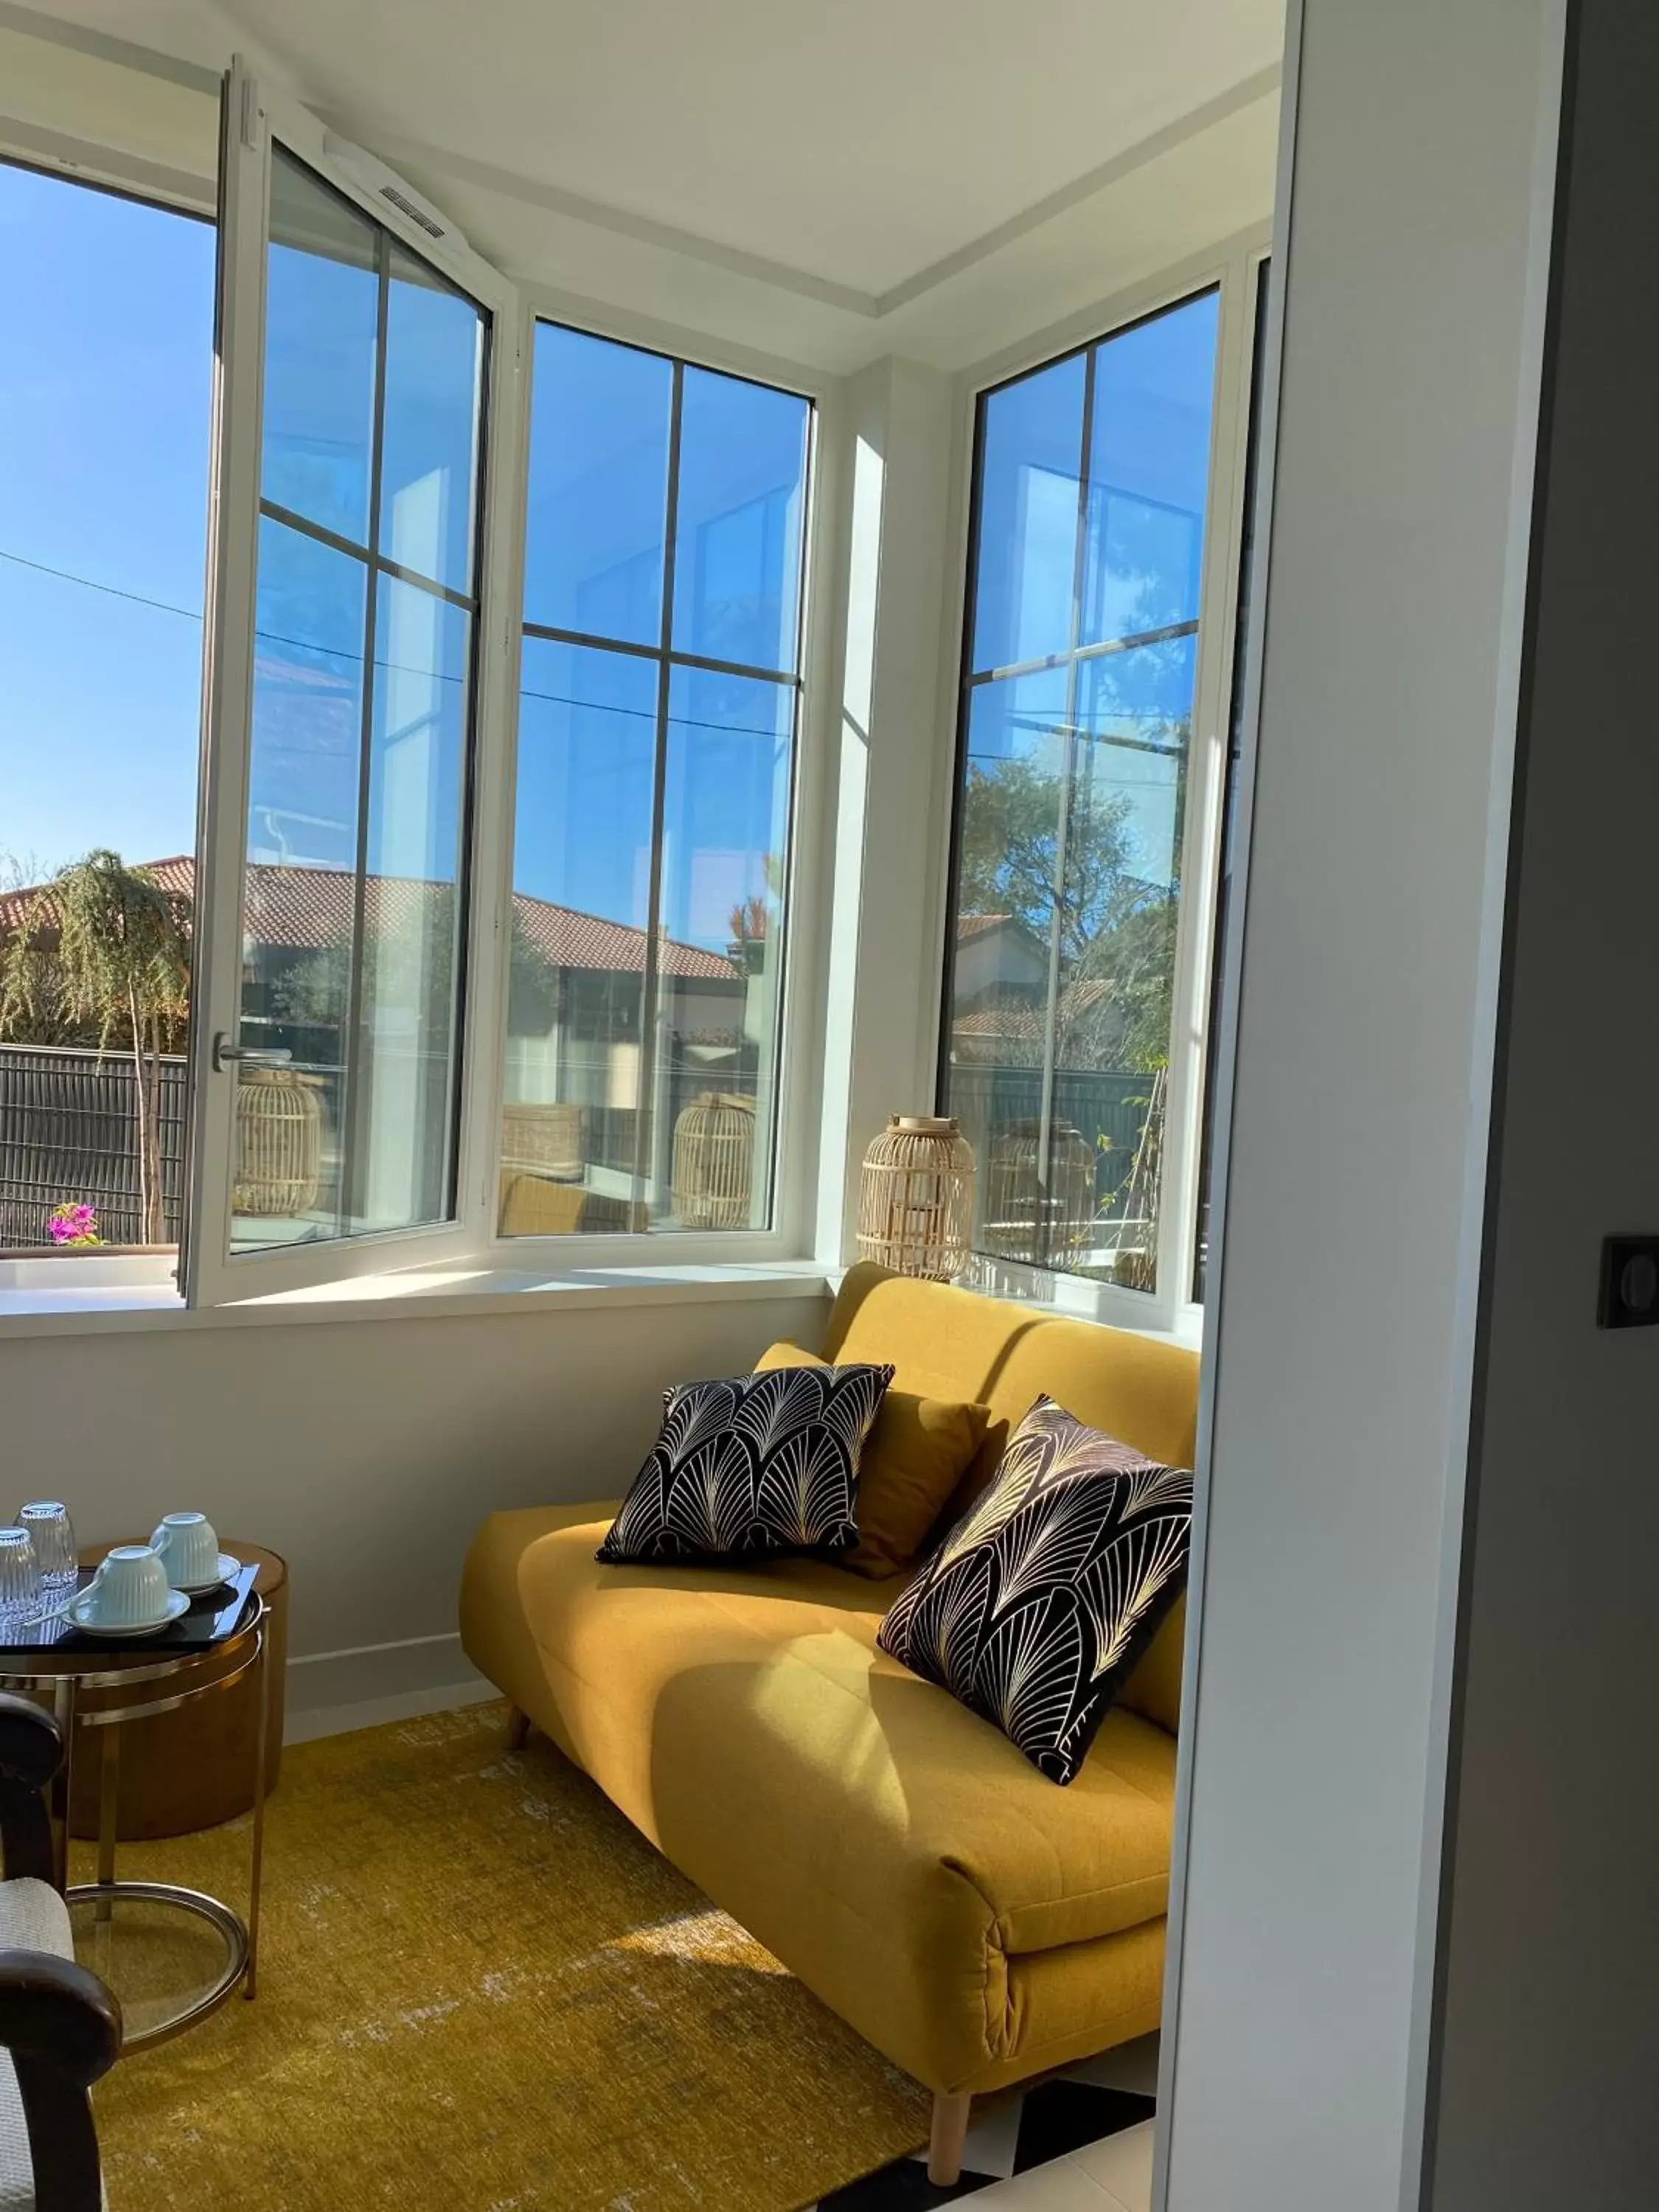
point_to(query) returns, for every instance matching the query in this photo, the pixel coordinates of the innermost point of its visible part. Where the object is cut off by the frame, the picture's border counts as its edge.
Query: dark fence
(1109, 1109)
(69, 1135)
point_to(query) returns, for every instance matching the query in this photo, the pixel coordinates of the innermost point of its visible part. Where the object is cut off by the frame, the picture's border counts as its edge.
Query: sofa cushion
(899, 1854)
(947, 1343)
(917, 1453)
(1036, 1607)
(760, 1466)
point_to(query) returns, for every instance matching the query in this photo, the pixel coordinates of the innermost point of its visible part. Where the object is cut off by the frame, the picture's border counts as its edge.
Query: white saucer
(228, 1567)
(178, 1606)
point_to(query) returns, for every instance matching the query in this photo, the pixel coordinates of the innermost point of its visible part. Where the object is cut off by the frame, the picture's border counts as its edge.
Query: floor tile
(1061, 2117)
(1123, 2164)
(903, 2187)
(1132, 2066)
(1062, 2187)
(993, 2135)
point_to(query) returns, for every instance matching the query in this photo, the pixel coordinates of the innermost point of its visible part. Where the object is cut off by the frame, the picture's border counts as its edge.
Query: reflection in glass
(738, 542)
(354, 905)
(1071, 811)
(652, 837)
(1149, 467)
(581, 884)
(433, 390)
(1031, 454)
(599, 487)
(726, 812)
(322, 305)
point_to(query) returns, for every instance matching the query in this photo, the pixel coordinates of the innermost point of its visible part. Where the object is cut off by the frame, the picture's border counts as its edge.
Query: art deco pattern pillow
(1035, 1608)
(757, 1467)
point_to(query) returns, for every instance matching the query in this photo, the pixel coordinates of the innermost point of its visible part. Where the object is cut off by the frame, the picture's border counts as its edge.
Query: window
(106, 367)
(1090, 491)
(354, 883)
(658, 720)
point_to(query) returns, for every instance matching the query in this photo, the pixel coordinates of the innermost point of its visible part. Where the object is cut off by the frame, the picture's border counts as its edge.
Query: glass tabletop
(169, 1959)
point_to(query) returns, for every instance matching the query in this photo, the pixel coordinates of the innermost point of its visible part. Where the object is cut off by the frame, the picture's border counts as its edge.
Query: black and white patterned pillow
(1034, 1609)
(755, 1468)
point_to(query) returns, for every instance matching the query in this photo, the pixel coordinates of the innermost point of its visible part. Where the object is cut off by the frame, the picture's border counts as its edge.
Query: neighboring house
(999, 1001)
(576, 988)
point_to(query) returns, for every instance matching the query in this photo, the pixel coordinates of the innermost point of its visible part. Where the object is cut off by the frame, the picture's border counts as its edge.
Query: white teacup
(188, 1550)
(129, 1590)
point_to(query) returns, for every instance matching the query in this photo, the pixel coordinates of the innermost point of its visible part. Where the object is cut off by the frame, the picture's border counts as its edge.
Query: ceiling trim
(513, 184)
(1231, 102)
(104, 46)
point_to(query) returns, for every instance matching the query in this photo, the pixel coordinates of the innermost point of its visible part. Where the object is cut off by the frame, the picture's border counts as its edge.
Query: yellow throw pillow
(917, 1453)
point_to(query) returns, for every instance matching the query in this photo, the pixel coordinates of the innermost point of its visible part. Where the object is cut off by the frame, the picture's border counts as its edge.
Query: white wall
(366, 1452)
(1416, 265)
(1547, 2047)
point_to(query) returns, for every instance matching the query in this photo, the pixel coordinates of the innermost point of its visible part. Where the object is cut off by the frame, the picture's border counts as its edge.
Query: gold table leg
(63, 1710)
(109, 1798)
(262, 1736)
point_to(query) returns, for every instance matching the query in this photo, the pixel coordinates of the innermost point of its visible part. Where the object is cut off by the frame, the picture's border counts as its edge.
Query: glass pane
(725, 817)
(1031, 451)
(106, 400)
(737, 537)
(1115, 1005)
(434, 354)
(300, 888)
(322, 305)
(581, 881)
(1010, 828)
(599, 487)
(1149, 467)
(405, 1076)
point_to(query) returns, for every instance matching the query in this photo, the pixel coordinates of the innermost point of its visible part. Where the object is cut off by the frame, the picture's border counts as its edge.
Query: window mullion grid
(350, 1119)
(1062, 829)
(645, 1111)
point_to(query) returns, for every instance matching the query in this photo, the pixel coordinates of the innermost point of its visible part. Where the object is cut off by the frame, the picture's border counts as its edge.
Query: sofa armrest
(63, 2028)
(31, 1752)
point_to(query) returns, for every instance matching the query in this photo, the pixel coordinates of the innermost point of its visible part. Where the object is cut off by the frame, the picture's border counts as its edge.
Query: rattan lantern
(916, 1197)
(713, 1169)
(279, 1142)
(1031, 1215)
(546, 1140)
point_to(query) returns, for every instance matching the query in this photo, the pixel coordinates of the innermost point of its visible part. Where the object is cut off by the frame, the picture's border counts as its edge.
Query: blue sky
(106, 355)
(106, 367)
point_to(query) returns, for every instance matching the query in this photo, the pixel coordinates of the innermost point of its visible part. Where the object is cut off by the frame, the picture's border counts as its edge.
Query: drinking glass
(20, 1579)
(49, 1530)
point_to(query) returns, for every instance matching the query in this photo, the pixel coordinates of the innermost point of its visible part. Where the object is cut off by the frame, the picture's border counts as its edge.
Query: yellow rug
(481, 1991)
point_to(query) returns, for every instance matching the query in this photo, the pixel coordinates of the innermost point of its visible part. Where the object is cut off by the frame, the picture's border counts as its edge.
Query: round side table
(172, 1956)
(191, 1768)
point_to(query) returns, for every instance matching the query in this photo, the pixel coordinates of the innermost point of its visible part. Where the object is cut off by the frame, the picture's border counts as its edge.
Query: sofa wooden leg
(945, 2145)
(517, 1729)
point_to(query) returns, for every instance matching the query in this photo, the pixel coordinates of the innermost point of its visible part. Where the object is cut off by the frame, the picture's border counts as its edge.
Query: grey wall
(1549, 2048)
(366, 1452)
(1415, 261)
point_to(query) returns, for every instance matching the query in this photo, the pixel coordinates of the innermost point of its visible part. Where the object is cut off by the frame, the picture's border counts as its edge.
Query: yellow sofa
(974, 1922)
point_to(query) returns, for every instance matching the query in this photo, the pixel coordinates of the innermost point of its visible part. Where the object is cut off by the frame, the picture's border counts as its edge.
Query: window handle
(254, 1056)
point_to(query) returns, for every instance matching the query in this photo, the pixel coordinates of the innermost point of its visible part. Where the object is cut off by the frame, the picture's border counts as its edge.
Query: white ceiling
(858, 141)
(832, 181)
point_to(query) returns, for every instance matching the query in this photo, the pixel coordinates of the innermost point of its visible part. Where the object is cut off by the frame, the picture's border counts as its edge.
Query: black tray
(216, 1614)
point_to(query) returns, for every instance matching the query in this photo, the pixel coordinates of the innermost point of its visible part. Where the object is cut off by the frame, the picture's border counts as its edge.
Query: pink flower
(74, 1222)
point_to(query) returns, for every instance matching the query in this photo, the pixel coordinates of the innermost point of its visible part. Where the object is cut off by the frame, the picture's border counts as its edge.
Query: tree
(1117, 931)
(102, 952)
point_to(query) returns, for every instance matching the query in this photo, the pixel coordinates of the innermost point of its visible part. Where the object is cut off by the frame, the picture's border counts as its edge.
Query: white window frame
(788, 1239)
(1232, 271)
(212, 1274)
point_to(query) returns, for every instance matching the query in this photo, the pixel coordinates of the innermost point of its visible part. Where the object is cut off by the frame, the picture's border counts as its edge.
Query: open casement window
(1097, 637)
(345, 988)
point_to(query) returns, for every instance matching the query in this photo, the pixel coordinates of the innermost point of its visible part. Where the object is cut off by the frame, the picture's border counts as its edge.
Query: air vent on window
(414, 213)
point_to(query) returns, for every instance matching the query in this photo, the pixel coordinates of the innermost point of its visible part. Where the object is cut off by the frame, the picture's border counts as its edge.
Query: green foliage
(102, 956)
(1116, 929)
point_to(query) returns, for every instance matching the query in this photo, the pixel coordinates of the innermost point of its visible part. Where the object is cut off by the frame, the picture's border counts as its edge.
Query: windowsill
(32, 1310)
